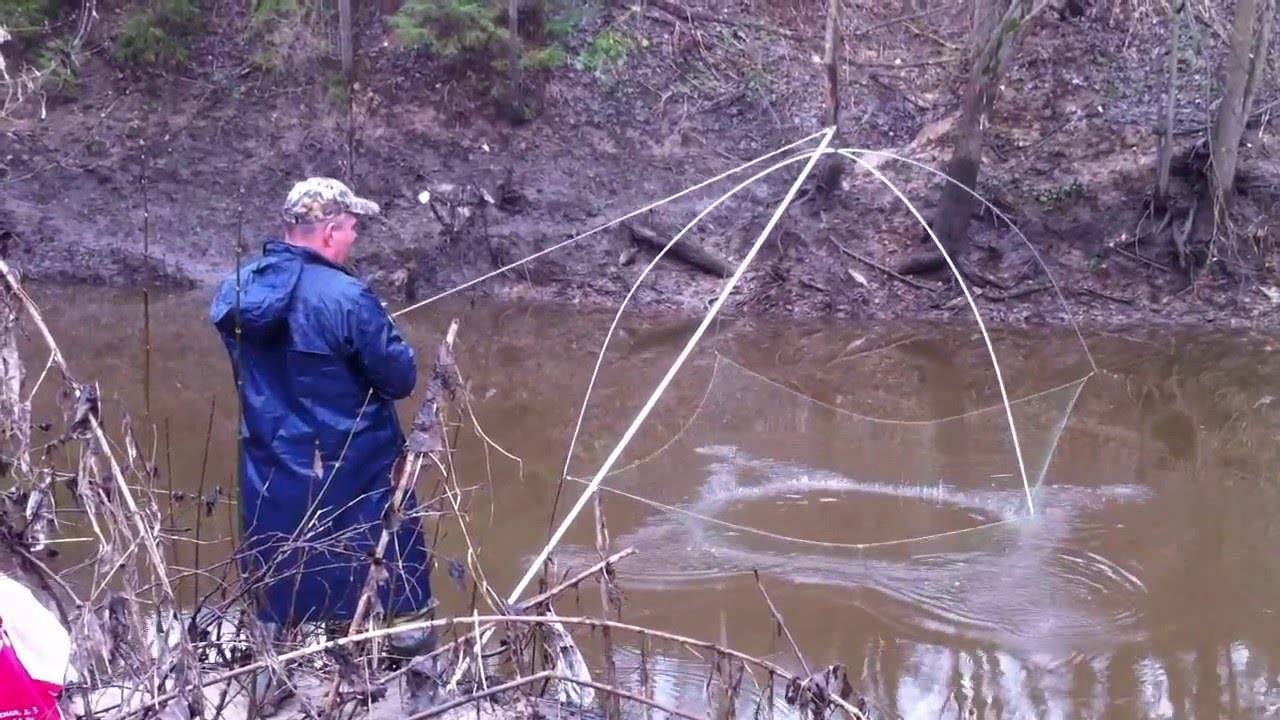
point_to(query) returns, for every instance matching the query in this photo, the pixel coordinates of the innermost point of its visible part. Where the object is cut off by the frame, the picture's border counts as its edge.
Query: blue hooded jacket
(318, 364)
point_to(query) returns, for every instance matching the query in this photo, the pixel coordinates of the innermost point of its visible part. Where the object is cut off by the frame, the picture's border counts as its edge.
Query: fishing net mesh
(759, 475)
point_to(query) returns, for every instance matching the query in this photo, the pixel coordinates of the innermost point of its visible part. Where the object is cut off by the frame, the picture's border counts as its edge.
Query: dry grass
(151, 637)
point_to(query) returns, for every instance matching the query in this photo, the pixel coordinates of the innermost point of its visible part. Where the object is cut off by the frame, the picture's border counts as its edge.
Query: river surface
(867, 472)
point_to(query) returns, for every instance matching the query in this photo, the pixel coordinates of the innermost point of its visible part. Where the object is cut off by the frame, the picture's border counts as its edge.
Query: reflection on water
(995, 683)
(1146, 584)
(681, 682)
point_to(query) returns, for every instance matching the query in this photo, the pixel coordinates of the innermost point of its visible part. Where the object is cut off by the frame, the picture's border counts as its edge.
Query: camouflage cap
(321, 198)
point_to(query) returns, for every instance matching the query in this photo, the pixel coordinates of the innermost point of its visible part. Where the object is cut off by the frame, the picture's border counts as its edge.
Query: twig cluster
(154, 638)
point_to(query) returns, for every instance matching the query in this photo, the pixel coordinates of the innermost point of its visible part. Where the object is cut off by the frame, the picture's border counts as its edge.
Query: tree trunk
(346, 48)
(995, 32)
(1245, 63)
(831, 168)
(1164, 155)
(831, 50)
(1261, 53)
(951, 223)
(513, 72)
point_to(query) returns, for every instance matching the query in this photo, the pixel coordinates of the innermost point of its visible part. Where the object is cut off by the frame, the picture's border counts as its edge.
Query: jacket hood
(265, 293)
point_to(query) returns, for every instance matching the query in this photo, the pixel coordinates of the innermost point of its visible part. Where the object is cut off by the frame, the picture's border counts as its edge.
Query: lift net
(762, 477)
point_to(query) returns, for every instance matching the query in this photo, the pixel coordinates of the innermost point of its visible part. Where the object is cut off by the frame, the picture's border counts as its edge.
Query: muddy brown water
(866, 472)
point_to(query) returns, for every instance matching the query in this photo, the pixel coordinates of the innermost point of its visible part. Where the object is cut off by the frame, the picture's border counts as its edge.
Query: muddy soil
(165, 178)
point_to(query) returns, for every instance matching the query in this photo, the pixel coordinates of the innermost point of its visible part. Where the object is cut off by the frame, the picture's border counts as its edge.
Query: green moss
(1067, 191)
(158, 35)
(265, 11)
(562, 21)
(449, 28)
(337, 89)
(547, 58)
(25, 16)
(56, 61)
(606, 51)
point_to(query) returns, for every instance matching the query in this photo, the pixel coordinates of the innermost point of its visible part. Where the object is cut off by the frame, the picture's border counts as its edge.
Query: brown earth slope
(202, 155)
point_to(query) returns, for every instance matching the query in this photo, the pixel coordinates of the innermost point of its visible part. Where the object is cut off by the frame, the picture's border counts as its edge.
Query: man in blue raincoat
(319, 365)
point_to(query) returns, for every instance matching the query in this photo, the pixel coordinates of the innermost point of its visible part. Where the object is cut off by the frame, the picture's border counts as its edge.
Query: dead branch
(603, 565)
(1017, 292)
(930, 36)
(902, 18)
(122, 487)
(777, 618)
(944, 60)
(608, 595)
(688, 15)
(548, 675)
(1146, 261)
(322, 647)
(533, 602)
(1105, 296)
(886, 270)
(409, 469)
(125, 532)
(818, 691)
(685, 250)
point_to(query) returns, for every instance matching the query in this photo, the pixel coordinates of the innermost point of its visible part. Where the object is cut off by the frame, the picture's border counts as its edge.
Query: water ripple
(999, 575)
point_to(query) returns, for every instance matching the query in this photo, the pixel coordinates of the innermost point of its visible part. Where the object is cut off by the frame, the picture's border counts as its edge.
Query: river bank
(163, 177)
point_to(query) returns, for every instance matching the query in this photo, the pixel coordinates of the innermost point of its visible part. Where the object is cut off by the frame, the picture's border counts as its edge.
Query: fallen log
(922, 263)
(886, 270)
(1105, 296)
(685, 250)
(1014, 293)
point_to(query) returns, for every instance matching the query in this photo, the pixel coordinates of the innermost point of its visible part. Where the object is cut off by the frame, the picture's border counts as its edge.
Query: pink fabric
(21, 697)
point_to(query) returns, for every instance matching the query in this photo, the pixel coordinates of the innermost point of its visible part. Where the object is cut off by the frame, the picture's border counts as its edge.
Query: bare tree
(514, 79)
(1242, 72)
(346, 48)
(521, 100)
(831, 168)
(995, 32)
(829, 63)
(1164, 154)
